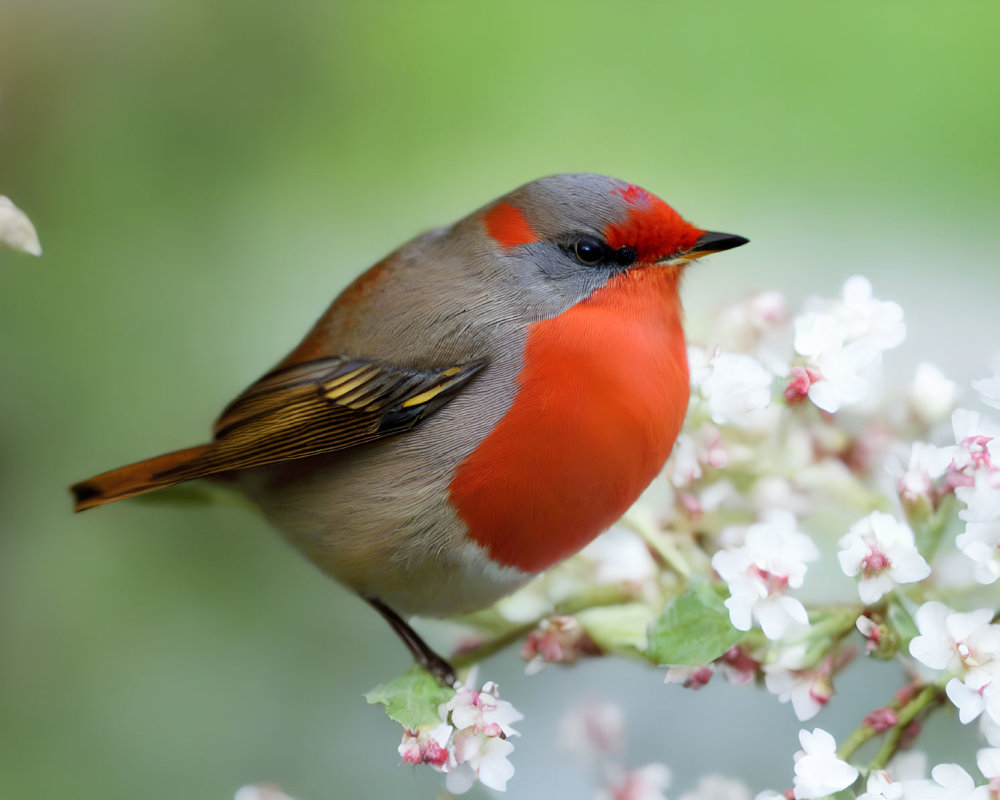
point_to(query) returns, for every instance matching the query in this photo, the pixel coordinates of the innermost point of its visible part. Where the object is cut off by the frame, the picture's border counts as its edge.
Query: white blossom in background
(771, 560)
(840, 341)
(932, 396)
(643, 783)
(988, 761)
(989, 388)
(735, 387)
(966, 645)
(917, 482)
(976, 440)
(16, 230)
(594, 731)
(807, 689)
(880, 786)
(880, 551)
(818, 771)
(980, 494)
(261, 791)
(948, 782)
(717, 787)
(990, 730)
(962, 643)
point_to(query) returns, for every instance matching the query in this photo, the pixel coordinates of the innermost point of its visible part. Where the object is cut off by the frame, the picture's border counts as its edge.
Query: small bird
(471, 410)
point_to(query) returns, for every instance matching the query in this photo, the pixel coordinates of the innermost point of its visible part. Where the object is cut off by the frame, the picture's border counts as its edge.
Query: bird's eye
(625, 256)
(590, 251)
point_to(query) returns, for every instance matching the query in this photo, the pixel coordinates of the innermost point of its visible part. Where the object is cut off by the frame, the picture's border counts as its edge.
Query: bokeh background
(205, 175)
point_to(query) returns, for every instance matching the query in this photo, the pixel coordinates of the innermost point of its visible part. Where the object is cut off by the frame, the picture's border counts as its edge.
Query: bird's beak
(712, 242)
(706, 244)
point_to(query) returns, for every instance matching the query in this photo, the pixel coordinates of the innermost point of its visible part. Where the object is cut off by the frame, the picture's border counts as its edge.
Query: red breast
(600, 400)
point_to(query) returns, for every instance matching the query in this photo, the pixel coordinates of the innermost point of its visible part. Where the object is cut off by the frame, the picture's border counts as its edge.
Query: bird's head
(580, 230)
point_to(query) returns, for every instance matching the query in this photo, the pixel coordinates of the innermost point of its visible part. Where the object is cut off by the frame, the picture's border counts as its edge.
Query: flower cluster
(470, 743)
(810, 511)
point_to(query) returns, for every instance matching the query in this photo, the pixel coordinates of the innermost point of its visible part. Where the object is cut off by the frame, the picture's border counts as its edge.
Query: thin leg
(420, 650)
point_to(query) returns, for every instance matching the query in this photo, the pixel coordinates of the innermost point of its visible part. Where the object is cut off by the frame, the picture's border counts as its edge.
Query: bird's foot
(419, 649)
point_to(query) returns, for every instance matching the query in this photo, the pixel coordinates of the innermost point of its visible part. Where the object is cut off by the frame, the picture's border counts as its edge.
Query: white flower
(967, 646)
(717, 787)
(879, 322)
(593, 729)
(427, 745)
(645, 783)
(16, 230)
(833, 365)
(973, 702)
(989, 388)
(479, 745)
(692, 677)
(620, 555)
(932, 395)
(695, 449)
(981, 498)
(771, 560)
(841, 340)
(808, 690)
(990, 729)
(926, 465)
(881, 551)
(950, 782)
(261, 791)
(988, 761)
(818, 771)
(881, 787)
(479, 756)
(978, 440)
(482, 710)
(981, 543)
(736, 388)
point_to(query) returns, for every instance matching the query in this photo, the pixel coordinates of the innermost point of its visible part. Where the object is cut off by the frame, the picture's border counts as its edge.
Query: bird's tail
(138, 478)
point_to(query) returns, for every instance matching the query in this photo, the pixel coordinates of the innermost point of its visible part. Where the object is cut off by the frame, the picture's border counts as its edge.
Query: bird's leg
(420, 650)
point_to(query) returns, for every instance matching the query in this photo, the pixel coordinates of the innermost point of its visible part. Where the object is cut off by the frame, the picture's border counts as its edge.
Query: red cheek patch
(507, 226)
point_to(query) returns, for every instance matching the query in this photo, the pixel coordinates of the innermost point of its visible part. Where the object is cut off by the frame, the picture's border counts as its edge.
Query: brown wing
(320, 407)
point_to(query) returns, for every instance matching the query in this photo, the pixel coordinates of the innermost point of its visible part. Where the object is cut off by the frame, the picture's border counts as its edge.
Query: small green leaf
(904, 624)
(412, 699)
(694, 628)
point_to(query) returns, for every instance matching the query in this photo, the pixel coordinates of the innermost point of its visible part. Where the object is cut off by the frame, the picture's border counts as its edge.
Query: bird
(472, 409)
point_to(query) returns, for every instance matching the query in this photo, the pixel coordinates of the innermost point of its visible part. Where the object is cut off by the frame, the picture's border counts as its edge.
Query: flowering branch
(792, 440)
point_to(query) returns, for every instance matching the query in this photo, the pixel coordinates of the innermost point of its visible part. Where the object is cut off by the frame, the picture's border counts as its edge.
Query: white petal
(460, 780)
(988, 761)
(16, 230)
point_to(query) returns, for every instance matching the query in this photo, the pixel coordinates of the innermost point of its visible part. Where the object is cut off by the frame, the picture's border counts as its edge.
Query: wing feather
(321, 407)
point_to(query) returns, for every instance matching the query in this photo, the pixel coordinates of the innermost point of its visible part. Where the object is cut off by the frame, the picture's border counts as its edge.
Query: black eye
(625, 256)
(590, 251)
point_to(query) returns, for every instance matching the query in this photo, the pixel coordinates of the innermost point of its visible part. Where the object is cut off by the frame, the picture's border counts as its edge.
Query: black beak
(712, 242)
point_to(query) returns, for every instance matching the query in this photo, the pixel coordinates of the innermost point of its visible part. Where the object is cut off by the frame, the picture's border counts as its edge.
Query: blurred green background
(205, 176)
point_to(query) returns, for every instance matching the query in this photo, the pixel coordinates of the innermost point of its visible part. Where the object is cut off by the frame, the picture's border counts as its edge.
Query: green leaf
(412, 699)
(904, 624)
(694, 628)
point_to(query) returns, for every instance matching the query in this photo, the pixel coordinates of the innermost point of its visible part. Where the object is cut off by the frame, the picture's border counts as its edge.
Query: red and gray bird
(471, 410)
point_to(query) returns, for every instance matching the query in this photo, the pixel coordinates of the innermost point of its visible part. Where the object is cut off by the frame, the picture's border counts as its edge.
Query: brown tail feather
(138, 478)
